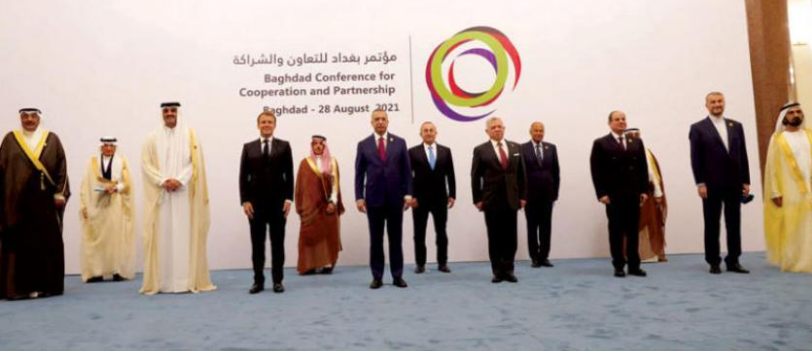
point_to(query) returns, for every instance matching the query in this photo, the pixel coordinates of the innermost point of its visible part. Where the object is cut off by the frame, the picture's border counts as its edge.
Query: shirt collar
(616, 135)
(717, 120)
(494, 142)
(429, 145)
(262, 139)
(384, 136)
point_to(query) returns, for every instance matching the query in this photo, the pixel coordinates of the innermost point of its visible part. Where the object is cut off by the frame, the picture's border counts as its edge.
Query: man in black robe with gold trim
(33, 193)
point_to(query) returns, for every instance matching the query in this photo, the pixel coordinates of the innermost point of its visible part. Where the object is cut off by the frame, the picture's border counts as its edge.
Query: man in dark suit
(266, 192)
(434, 192)
(383, 190)
(543, 182)
(722, 175)
(620, 177)
(498, 181)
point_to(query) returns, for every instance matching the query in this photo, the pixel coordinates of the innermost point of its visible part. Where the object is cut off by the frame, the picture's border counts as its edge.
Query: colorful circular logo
(446, 93)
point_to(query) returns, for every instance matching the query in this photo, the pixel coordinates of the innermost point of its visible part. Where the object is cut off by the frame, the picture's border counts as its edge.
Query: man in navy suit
(383, 190)
(620, 177)
(722, 175)
(266, 192)
(498, 182)
(543, 182)
(434, 193)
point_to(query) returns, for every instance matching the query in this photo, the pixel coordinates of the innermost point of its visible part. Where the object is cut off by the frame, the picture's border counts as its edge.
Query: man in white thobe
(176, 204)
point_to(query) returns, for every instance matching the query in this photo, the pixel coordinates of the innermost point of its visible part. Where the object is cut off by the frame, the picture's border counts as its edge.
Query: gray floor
(577, 305)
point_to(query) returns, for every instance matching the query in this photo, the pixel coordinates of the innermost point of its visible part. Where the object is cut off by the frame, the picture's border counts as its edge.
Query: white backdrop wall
(102, 67)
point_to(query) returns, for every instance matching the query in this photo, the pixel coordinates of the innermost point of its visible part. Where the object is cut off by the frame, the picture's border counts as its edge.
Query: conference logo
(487, 43)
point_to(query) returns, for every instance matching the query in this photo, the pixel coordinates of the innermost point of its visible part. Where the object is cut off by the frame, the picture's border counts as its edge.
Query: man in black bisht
(33, 193)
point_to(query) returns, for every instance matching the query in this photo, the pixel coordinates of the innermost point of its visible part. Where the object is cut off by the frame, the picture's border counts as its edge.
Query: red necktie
(502, 156)
(381, 149)
(620, 140)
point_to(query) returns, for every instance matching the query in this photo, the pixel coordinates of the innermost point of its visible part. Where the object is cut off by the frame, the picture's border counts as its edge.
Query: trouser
(263, 219)
(539, 228)
(712, 207)
(502, 239)
(389, 217)
(624, 214)
(420, 215)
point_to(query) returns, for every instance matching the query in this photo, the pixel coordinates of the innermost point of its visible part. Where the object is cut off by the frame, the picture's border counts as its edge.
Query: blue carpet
(577, 305)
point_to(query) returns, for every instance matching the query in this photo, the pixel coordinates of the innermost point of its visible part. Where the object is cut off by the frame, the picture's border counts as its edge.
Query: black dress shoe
(637, 272)
(278, 288)
(327, 270)
(18, 297)
(399, 282)
(510, 278)
(535, 264)
(546, 263)
(118, 278)
(376, 284)
(620, 273)
(715, 269)
(737, 268)
(420, 269)
(444, 268)
(310, 272)
(95, 279)
(496, 279)
(256, 288)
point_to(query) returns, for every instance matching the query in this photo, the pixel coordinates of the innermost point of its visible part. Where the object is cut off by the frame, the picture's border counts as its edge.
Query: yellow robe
(107, 231)
(787, 229)
(199, 278)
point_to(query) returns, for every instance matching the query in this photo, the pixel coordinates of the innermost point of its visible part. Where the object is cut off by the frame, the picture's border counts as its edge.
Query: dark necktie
(265, 149)
(538, 153)
(502, 155)
(381, 149)
(620, 140)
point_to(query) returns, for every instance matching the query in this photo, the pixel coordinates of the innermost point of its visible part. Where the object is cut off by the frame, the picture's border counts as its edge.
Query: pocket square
(515, 154)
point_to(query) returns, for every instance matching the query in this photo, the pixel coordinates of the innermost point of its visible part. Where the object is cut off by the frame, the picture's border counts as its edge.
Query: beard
(795, 122)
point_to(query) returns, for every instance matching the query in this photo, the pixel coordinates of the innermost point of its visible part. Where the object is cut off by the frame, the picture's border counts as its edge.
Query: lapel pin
(730, 124)
(546, 148)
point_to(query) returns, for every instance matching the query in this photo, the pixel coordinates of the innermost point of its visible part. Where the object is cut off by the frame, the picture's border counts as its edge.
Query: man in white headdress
(176, 208)
(788, 192)
(107, 213)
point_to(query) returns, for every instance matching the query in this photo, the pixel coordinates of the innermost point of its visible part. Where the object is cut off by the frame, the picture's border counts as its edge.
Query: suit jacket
(618, 172)
(543, 180)
(266, 180)
(382, 182)
(430, 185)
(498, 188)
(711, 162)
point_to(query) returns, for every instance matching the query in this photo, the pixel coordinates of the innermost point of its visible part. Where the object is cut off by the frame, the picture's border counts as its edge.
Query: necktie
(502, 155)
(538, 153)
(265, 151)
(432, 160)
(620, 140)
(381, 149)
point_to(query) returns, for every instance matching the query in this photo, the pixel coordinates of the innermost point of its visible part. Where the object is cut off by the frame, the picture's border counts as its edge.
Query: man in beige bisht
(788, 192)
(176, 208)
(652, 213)
(107, 212)
(318, 203)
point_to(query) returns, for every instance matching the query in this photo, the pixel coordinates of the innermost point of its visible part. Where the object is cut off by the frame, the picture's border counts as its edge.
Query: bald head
(537, 132)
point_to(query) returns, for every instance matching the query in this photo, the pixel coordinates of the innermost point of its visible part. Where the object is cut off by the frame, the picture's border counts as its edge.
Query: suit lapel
(425, 158)
(728, 127)
(709, 125)
(491, 154)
